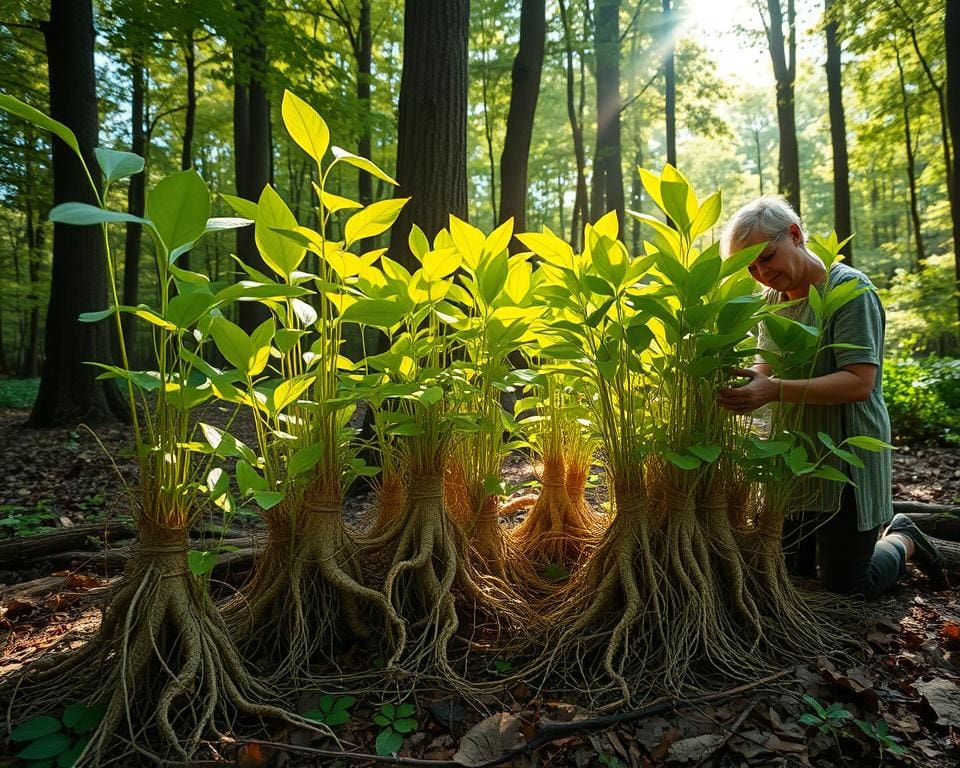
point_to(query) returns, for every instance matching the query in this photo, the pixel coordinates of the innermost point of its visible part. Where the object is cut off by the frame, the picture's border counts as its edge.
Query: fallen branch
(545, 733)
(24, 549)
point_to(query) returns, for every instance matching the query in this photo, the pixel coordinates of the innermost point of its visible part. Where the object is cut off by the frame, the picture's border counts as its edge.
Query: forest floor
(906, 674)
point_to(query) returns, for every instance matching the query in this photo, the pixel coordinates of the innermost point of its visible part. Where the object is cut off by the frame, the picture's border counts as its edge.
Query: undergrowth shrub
(923, 398)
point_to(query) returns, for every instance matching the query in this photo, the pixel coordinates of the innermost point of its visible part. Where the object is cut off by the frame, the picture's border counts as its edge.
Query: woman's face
(782, 264)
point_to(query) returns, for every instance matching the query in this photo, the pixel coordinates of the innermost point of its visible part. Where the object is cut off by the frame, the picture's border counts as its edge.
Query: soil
(905, 675)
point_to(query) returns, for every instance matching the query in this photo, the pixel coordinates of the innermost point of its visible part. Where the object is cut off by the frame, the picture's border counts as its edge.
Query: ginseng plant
(307, 598)
(162, 664)
(417, 393)
(491, 321)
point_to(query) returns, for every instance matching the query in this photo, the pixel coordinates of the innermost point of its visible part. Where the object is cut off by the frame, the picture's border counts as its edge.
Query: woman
(842, 397)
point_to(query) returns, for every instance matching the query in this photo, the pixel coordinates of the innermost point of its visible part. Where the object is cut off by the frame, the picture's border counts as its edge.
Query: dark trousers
(850, 562)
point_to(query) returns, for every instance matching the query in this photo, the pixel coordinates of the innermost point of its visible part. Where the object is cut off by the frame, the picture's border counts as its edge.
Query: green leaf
(34, 728)
(69, 758)
(19, 108)
(117, 164)
(430, 395)
(201, 562)
(707, 215)
(305, 126)
(267, 499)
(388, 710)
(362, 163)
(709, 453)
(681, 460)
(807, 719)
(246, 208)
(440, 263)
(373, 220)
(248, 479)
(388, 742)
(405, 710)
(95, 317)
(741, 259)
(337, 717)
(50, 745)
(305, 459)
(343, 702)
(225, 444)
(280, 253)
(187, 307)
(179, 207)
(867, 443)
(84, 214)
(492, 276)
(220, 223)
(80, 718)
(233, 343)
(380, 313)
(404, 725)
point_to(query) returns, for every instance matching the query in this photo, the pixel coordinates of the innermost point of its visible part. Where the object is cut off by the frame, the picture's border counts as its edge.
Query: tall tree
(783, 55)
(69, 391)
(838, 131)
(951, 32)
(251, 132)
(670, 82)
(607, 184)
(579, 214)
(911, 163)
(432, 118)
(524, 91)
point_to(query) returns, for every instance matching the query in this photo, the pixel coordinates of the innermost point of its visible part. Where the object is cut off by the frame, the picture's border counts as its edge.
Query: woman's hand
(760, 390)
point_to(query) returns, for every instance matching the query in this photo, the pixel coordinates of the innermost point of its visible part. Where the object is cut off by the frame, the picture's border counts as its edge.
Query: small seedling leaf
(34, 728)
(50, 745)
(80, 718)
(201, 562)
(388, 742)
(405, 725)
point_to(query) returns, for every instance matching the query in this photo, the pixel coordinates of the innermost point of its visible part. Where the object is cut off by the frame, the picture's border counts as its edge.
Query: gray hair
(768, 216)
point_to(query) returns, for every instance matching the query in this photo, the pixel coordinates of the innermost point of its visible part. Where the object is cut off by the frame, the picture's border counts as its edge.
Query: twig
(547, 733)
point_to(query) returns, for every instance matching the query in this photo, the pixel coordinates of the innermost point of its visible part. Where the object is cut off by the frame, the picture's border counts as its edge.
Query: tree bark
(670, 84)
(911, 165)
(838, 133)
(524, 91)
(579, 214)
(607, 188)
(432, 119)
(951, 31)
(783, 55)
(251, 128)
(135, 202)
(69, 391)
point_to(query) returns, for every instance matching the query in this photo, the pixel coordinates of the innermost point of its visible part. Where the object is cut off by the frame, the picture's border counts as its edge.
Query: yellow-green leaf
(305, 126)
(373, 220)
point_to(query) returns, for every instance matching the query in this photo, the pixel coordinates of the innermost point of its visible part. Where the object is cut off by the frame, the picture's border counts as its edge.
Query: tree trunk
(670, 84)
(838, 133)
(783, 54)
(135, 204)
(69, 391)
(579, 214)
(365, 140)
(911, 165)
(524, 91)
(189, 119)
(951, 30)
(607, 191)
(432, 118)
(251, 128)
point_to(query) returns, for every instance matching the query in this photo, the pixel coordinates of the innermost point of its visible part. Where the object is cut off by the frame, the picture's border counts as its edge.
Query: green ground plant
(395, 721)
(44, 741)
(923, 398)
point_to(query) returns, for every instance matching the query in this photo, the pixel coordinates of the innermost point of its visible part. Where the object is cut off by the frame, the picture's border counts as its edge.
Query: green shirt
(859, 322)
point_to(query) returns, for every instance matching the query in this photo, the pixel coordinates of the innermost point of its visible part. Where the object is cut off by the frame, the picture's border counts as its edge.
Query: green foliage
(395, 721)
(827, 719)
(45, 741)
(331, 710)
(18, 393)
(18, 520)
(923, 398)
(880, 732)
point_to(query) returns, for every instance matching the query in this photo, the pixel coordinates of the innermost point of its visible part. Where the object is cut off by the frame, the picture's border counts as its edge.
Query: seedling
(501, 666)
(825, 719)
(49, 741)
(611, 761)
(331, 710)
(556, 572)
(395, 721)
(880, 733)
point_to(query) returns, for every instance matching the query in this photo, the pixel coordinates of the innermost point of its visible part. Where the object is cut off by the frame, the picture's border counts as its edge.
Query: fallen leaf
(776, 744)
(490, 739)
(943, 697)
(251, 756)
(951, 635)
(13, 609)
(695, 749)
(81, 581)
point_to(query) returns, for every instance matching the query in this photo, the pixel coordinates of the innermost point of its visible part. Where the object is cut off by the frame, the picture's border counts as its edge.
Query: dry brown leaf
(695, 749)
(14, 608)
(951, 634)
(943, 696)
(489, 739)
